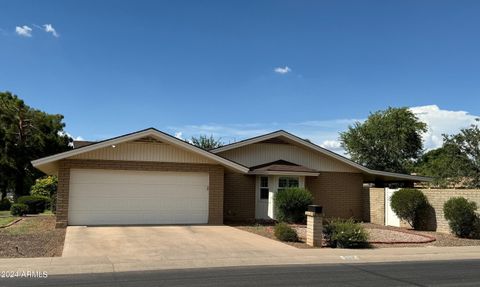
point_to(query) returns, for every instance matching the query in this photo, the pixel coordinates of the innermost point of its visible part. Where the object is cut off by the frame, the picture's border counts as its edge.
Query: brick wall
(215, 172)
(339, 193)
(239, 197)
(366, 203)
(377, 205)
(436, 198)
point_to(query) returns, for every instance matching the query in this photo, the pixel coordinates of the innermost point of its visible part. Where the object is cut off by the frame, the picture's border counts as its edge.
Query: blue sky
(239, 68)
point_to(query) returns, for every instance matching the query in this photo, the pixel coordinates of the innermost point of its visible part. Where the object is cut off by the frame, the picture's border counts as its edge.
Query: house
(150, 177)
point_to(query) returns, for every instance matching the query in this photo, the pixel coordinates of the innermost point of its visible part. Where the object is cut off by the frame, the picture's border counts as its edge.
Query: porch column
(314, 226)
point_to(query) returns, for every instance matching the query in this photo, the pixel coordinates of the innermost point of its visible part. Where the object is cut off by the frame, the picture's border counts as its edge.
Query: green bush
(46, 186)
(5, 204)
(461, 216)
(411, 205)
(18, 209)
(345, 233)
(36, 204)
(284, 232)
(291, 204)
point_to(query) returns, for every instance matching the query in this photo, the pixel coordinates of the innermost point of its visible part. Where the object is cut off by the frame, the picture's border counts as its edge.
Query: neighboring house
(149, 177)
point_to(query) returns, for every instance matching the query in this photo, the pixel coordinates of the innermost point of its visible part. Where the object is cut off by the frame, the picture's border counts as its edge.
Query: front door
(267, 186)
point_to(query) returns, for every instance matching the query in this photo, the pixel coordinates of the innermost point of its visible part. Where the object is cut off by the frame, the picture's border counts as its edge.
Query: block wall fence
(375, 211)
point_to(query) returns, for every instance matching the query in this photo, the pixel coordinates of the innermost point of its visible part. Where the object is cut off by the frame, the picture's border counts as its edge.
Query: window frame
(288, 179)
(264, 188)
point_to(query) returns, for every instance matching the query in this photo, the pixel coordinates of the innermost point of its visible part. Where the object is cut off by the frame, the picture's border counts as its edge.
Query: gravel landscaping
(379, 236)
(33, 236)
(267, 231)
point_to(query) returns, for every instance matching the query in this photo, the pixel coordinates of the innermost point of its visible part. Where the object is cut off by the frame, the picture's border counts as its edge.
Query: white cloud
(326, 132)
(441, 122)
(75, 138)
(24, 31)
(282, 70)
(49, 29)
(178, 135)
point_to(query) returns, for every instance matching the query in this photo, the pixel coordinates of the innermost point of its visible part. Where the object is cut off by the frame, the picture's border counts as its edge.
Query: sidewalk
(78, 265)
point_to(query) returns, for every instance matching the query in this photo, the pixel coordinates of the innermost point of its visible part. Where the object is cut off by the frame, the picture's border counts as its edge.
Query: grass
(34, 236)
(5, 213)
(24, 227)
(6, 220)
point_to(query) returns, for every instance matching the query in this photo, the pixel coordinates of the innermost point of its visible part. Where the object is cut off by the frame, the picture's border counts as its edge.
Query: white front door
(391, 218)
(267, 186)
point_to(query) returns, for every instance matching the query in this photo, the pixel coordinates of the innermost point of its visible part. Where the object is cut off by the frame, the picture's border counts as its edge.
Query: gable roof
(282, 167)
(286, 136)
(45, 163)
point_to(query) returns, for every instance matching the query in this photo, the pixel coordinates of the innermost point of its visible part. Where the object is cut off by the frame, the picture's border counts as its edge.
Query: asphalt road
(435, 273)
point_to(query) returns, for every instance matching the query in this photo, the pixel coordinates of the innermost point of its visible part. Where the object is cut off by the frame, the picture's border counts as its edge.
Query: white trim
(133, 136)
(321, 150)
(293, 173)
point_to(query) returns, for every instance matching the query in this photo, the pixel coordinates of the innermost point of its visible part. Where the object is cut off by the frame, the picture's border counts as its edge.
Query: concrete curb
(104, 264)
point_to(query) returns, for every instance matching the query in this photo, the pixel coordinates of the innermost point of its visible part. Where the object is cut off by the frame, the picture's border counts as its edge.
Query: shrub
(345, 233)
(46, 186)
(36, 204)
(291, 204)
(284, 232)
(5, 204)
(461, 216)
(411, 205)
(18, 209)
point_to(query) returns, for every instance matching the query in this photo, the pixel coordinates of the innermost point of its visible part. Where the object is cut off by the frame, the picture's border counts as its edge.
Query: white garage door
(111, 197)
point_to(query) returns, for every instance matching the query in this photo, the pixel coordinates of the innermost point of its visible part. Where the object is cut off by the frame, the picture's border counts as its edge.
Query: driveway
(136, 243)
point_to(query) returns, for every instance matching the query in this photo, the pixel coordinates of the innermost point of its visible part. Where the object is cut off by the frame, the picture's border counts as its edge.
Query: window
(286, 182)
(263, 187)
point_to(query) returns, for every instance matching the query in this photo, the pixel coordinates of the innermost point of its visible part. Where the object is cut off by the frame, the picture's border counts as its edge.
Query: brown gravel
(267, 231)
(377, 233)
(34, 236)
(442, 239)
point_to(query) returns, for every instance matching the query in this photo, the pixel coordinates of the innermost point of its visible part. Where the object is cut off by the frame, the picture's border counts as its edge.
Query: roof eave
(293, 173)
(132, 136)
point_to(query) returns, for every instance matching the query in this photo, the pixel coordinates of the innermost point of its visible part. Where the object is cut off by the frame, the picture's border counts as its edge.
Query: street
(426, 273)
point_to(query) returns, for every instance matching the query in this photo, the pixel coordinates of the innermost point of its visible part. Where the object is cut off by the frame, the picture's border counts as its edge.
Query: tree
(207, 143)
(446, 165)
(388, 140)
(26, 134)
(467, 141)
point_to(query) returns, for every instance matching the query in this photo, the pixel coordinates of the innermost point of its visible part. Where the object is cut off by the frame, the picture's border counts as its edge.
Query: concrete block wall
(377, 205)
(436, 198)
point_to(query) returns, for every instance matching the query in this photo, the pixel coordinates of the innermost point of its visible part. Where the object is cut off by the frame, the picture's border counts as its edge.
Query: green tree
(446, 165)
(388, 140)
(26, 134)
(467, 141)
(205, 142)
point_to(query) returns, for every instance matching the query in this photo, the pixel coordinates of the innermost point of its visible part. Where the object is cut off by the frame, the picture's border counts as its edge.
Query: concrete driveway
(137, 243)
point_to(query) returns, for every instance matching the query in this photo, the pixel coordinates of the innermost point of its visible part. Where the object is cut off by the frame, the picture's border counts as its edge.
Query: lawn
(4, 213)
(33, 236)
(6, 220)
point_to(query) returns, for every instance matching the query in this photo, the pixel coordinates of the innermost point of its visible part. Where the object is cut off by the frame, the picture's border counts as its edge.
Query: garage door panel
(127, 177)
(135, 204)
(136, 189)
(111, 197)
